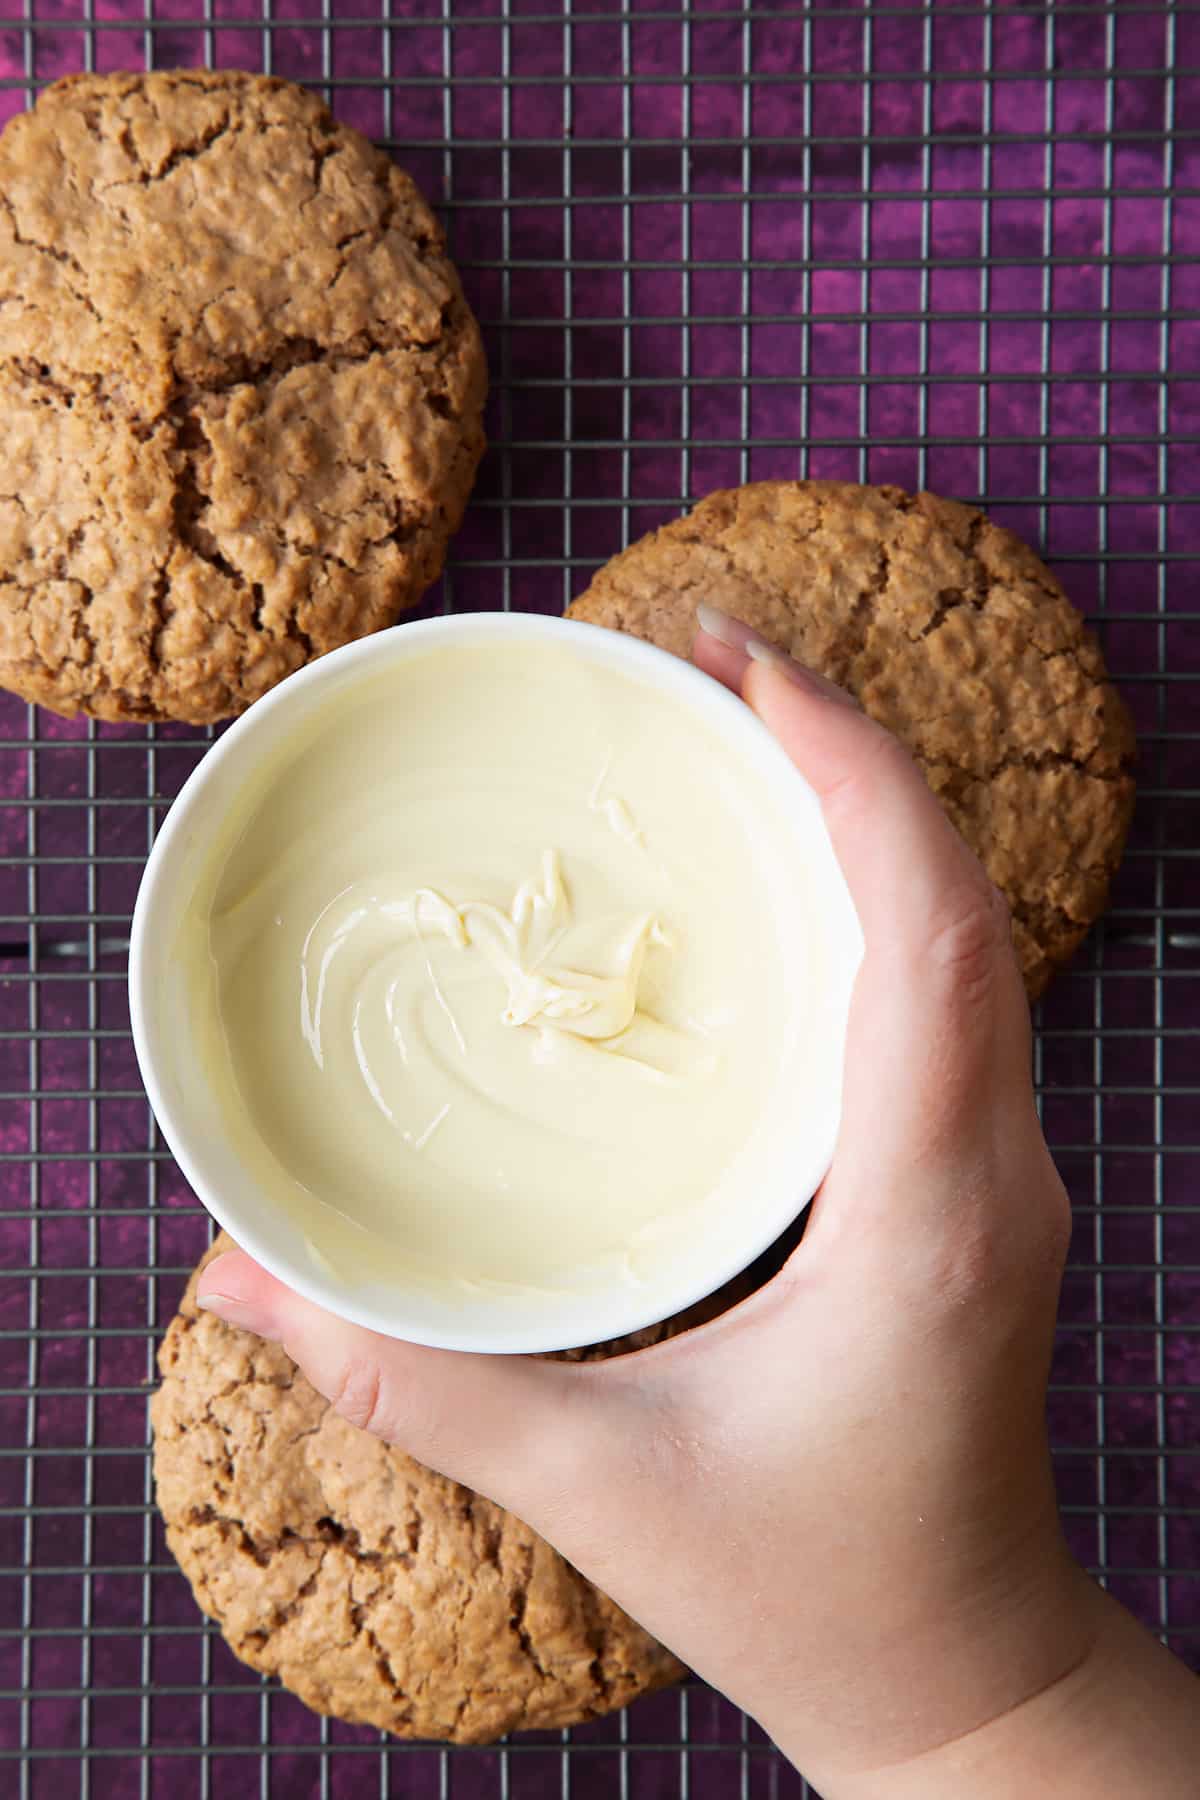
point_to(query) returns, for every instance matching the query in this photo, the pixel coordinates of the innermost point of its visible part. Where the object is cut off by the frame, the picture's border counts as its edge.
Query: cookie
(377, 1591)
(951, 633)
(241, 392)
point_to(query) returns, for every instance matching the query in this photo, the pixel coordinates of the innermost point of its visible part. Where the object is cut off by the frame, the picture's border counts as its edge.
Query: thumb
(939, 1022)
(511, 1426)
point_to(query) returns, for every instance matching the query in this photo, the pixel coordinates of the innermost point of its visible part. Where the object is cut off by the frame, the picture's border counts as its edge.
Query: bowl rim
(601, 1316)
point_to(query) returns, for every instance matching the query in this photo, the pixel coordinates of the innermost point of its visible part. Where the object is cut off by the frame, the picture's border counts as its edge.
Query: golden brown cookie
(241, 392)
(377, 1591)
(951, 633)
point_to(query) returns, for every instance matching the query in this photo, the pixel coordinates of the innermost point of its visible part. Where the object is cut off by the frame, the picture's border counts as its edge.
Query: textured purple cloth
(704, 247)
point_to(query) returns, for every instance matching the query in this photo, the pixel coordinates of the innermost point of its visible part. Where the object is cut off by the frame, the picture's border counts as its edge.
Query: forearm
(1123, 1724)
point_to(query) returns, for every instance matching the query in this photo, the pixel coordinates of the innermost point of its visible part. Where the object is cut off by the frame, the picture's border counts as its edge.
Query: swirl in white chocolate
(381, 944)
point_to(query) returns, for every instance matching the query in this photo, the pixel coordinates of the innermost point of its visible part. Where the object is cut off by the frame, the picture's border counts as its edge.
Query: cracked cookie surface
(377, 1591)
(241, 387)
(950, 632)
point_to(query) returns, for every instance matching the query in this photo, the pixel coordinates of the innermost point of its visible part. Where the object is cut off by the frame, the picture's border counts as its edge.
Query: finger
(719, 660)
(938, 1010)
(900, 855)
(511, 1426)
(941, 1172)
(724, 647)
(913, 879)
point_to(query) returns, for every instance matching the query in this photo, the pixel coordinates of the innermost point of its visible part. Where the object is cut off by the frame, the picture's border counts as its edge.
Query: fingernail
(797, 673)
(722, 626)
(736, 636)
(233, 1311)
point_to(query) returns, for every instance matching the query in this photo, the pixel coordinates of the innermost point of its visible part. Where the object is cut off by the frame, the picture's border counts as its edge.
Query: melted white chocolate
(493, 960)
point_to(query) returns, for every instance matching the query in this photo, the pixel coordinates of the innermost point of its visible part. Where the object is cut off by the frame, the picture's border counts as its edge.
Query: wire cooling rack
(943, 244)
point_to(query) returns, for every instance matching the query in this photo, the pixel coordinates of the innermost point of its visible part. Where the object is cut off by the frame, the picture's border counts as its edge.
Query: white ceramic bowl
(185, 1100)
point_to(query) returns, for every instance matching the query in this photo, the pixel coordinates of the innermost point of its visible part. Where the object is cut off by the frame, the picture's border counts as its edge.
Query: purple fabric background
(705, 247)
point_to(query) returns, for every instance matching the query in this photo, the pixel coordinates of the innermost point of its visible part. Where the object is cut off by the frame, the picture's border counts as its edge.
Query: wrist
(940, 1669)
(1122, 1719)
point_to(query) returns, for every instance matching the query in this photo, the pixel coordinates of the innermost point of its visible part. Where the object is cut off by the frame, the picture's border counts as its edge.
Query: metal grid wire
(942, 244)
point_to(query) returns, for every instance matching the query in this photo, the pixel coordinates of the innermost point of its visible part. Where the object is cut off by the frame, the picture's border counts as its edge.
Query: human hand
(835, 1501)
